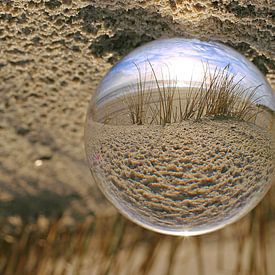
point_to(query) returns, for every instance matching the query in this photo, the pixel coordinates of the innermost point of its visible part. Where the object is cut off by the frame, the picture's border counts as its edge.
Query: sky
(182, 60)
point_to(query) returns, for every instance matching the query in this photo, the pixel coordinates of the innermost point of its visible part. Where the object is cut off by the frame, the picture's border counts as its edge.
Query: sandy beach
(53, 56)
(185, 176)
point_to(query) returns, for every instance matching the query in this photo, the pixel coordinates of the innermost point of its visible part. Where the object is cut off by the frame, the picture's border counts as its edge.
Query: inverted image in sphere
(178, 136)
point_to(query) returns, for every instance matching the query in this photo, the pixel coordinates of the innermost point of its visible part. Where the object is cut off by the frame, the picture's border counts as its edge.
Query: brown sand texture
(186, 176)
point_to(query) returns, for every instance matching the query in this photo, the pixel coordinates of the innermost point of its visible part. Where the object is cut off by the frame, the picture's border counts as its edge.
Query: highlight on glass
(178, 136)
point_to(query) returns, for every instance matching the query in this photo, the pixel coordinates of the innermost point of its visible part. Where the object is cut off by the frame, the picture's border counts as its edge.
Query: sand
(188, 175)
(53, 56)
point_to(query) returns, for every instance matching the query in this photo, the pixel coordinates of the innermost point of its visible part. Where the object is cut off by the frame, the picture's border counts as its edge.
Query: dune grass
(219, 95)
(112, 245)
(224, 97)
(164, 109)
(140, 96)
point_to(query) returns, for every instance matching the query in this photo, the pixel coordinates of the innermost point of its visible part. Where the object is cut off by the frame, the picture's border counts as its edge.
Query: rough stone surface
(54, 53)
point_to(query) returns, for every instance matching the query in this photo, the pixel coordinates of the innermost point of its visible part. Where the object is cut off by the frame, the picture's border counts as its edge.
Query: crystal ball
(178, 136)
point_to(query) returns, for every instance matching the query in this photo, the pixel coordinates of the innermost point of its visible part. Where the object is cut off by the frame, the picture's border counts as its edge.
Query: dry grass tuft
(218, 96)
(164, 110)
(111, 245)
(224, 97)
(138, 99)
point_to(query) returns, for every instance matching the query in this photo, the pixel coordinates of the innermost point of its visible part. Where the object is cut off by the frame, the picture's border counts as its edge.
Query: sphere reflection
(178, 136)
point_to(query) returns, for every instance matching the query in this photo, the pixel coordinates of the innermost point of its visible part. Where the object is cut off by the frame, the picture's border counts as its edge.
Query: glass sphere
(178, 136)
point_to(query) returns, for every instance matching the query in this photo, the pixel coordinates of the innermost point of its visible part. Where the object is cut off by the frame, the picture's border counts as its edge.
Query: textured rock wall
(52, 56)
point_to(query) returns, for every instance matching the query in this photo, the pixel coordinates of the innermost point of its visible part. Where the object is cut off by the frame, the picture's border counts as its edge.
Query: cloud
(182, 60)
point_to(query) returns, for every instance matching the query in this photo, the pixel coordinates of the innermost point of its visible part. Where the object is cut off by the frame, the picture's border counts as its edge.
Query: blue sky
(183, 58)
